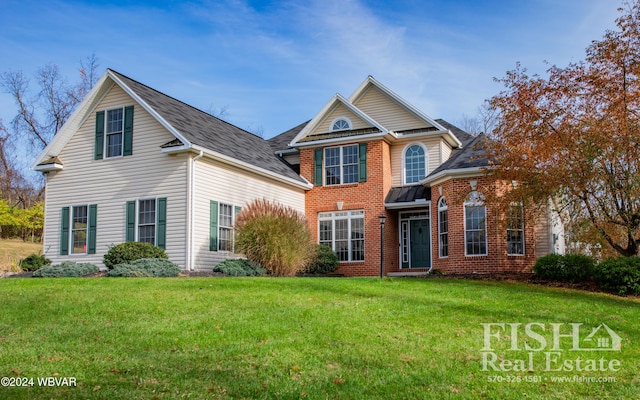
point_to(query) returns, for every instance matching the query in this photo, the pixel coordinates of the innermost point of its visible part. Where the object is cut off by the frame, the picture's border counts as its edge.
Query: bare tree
(484, 121)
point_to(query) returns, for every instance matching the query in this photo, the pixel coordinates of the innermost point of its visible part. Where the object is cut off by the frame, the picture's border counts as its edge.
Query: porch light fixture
(383, 219)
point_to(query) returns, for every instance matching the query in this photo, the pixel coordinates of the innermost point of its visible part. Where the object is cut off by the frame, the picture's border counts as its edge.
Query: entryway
(415, 240)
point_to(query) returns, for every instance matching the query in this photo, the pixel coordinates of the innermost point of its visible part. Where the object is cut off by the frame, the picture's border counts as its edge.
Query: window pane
(114, 145)
(414, 164)
(357, 239)
(226, 239)
(114, 121)
(332, 156)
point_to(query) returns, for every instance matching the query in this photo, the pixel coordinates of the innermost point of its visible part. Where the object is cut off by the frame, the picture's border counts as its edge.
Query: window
(475, 225)
(414, 164)
(114, 132)
(343, 231)
(515, 230)
(222, 218)
(340, 124)
(146, 221)
(341, 165)
(78, 227)
(443, 228)
(225, 226)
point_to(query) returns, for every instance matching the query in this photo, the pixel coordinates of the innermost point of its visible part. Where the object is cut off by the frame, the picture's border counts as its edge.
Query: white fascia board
(149, 109)
(48, 167)
(342, 140)
(72, 124)
(252, 168)
(287, 151)
(407, 204)
(447, 174)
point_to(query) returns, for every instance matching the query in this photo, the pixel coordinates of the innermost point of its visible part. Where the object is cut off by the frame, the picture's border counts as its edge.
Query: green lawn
(296, 338)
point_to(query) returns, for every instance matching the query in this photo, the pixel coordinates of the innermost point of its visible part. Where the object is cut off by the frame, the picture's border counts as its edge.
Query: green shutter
(131, 221)
(93, 224)
(99, 145)
(64, 231)
(127, 146)
(317, 171)
(213, 225)
(161, 227)
(362, 162)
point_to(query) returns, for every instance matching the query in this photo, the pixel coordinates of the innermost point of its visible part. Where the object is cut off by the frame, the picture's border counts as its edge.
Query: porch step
(413, 273)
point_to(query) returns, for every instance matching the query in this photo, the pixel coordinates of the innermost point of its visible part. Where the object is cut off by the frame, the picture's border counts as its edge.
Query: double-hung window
(222, 218)
(343, 231)
(443, 228)
(475, 214)
(114, 132)
(79, 229)
(341, 165)
(515, 230)
(147, 221)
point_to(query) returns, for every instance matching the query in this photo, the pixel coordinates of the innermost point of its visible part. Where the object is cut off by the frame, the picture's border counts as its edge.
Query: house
(133, 164)
(373, 154)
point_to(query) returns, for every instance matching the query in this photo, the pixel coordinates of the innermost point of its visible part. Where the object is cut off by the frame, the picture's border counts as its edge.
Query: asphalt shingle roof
(212, 133)
(471, 155)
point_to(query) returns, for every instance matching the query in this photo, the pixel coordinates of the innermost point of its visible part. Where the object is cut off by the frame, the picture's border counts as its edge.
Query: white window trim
(469, 202)
(524, 249)
(233, 222)
(350, 215)
(155, 222)
(443, 208)
(404, 164)
(86, 240)
(324, 165)
(338, 119)
(105, 149)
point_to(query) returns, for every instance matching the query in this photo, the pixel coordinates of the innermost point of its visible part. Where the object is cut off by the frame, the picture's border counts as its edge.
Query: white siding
(226, 184)
(387, 112)
(433, 145)
(110, 183)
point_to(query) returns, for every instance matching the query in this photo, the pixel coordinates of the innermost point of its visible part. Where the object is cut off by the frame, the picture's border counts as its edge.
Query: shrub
(619, 275)
(274, 236)
(146, 267)
(324, 261)
(239, 267)
(568, 268)
(66, 269)
(124, 253)
(33, 262)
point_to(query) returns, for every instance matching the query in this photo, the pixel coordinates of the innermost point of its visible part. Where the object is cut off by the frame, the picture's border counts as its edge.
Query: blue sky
(274, 64)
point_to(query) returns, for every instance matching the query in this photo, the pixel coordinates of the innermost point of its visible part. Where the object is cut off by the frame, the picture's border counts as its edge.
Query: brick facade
(369, 196)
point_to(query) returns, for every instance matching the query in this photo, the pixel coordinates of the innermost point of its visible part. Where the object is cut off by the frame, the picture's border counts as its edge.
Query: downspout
(191, 210)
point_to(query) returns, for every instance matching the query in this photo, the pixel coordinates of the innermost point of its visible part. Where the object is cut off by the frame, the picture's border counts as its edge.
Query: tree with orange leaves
(575, 136)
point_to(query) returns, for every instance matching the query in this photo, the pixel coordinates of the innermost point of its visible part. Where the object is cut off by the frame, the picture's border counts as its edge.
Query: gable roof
(431, 126)
(471, 158)
(193, 129)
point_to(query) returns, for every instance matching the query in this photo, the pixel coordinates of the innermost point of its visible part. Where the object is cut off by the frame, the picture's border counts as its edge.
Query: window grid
(114, 130)
(79, 229)
(225, 228)
(343, 231)
(414, 164)
(147, 221)
(341, 165)
(340, 125)
(515, 230)
(443, 228)
(475, 226)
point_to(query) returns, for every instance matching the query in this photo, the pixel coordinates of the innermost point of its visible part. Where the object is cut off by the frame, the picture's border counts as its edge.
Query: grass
(13, 250)
(294, 338)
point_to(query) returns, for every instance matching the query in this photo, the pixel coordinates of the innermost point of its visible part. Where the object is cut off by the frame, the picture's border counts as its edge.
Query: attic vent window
(340, 124)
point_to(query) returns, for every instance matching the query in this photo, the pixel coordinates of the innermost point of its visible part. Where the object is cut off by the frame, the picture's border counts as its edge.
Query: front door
(420, 234)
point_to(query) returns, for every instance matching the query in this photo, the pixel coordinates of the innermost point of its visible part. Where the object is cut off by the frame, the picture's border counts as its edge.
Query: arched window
(475, 225)
(443, 228)
(414, 163)
(340, 124)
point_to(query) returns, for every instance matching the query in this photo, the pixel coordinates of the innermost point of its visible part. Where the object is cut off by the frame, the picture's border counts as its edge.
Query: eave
(447, 174)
